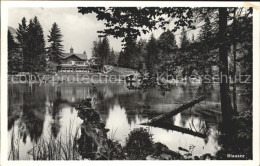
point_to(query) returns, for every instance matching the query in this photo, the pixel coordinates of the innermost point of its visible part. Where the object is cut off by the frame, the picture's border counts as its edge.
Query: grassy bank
(62, 148)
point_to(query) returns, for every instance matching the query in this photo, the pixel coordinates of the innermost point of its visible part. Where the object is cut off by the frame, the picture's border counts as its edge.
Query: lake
(37, 111)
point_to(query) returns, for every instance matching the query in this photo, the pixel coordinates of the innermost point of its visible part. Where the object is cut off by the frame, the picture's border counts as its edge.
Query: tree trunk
(235, 65)
(174, 112)
(226, 107)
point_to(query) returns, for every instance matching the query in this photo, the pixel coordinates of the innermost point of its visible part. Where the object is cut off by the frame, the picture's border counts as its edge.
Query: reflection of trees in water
(15, 104)
(183, 120)
(33, 116)
(13, 114)
(205, 89)
(55, 114)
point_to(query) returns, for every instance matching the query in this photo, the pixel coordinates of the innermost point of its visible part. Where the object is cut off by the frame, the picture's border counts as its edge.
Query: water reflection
(43, 111)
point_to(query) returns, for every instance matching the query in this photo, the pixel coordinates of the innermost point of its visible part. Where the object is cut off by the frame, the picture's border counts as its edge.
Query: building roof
(80, 56)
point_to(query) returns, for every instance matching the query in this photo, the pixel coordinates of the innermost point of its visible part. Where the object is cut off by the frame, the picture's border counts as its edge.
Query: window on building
(79, 62)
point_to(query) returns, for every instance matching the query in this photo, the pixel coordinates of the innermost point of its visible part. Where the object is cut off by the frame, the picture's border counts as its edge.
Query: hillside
(13, 32)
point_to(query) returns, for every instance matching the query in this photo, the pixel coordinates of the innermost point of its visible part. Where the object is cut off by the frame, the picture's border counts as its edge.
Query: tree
(96, 52)
(122, 61)
(167, 45)
(184, 39)
(226, 108)
(132, 55)
(142, 52)
(112, 57)
(240, 32)
(245, 52)
(55, 50)
(185, 55)
(101, 52)
(206, 41)
(234, 43)
(35, 59)
(152, 57)
(104, 51)
(14, 59)
(22, 36)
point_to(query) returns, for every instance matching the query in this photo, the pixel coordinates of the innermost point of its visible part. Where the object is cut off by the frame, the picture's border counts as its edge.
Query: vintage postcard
(128, 80)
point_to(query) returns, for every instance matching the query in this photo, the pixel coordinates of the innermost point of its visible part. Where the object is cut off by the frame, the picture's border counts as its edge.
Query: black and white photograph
(130, 83)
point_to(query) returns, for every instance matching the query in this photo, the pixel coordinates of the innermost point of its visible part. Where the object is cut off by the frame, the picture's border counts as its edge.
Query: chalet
(74, 62)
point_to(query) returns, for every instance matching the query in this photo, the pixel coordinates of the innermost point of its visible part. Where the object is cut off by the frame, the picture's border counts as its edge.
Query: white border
(256, 69)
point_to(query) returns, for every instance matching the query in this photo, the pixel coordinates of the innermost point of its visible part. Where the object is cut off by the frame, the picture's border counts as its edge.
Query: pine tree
(206, 42)
(122, 61)
(104, 51)
(112, 57)
(184, 39)
(55, 51)
(22, 37)
(35, 59)
(101, 52)
(142, 52)
(96, 52)
(131, 55)
(152, 57)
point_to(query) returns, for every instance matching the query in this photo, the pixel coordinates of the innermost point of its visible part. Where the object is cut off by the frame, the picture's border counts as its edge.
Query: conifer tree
(55, 51)
(35, 58)
(184, 39)
(104, 51)
(206, 41)
(22, 37)
(112, 56)
(96, 52)
(152, 57)
(122, 61)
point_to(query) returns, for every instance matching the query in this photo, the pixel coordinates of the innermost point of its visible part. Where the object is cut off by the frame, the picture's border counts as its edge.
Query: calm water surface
(43, 111)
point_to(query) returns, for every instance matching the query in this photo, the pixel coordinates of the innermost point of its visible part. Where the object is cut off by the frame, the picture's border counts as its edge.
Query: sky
(79, 31)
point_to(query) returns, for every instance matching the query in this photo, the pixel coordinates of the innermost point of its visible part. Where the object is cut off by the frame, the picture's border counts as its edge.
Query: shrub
(139, 144)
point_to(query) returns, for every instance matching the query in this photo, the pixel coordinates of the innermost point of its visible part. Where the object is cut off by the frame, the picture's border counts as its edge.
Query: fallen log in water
(178, 129)
(185, 106)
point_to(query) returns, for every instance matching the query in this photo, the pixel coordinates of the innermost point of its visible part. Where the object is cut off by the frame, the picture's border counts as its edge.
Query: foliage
(244, 38)
(32, 45)
(105, 51)
(239, 140)
(152, 57)
(139, 144)
(130, 22)
(55, 50)
(133, 55)
(96, 52)
(122, 61)
(35, 60)
(184, 38)
(101, 52)
(22, 35)
(111, 58)
(167, 45)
